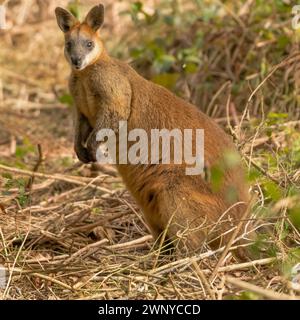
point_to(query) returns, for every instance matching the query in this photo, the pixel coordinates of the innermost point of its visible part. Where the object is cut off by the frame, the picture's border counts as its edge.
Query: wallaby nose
(76, 62)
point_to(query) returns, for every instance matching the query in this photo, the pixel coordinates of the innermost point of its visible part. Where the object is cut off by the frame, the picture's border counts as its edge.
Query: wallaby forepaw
(83, 155)
(92, 156)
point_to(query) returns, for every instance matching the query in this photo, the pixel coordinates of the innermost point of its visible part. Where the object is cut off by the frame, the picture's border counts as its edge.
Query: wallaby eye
(89, 44)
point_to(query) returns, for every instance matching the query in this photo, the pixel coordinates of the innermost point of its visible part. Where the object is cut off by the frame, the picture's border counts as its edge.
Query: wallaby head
(83, 46)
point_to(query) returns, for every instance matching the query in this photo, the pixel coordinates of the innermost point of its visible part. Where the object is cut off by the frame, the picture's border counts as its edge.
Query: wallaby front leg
(92, 143)
(82, 131)
(107, 122)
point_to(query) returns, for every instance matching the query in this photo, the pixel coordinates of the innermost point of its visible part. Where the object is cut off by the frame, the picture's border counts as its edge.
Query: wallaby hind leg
(196, 221)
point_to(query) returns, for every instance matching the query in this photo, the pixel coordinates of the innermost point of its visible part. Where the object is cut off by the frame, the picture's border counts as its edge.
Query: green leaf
(96, 211)
(137, 52)
(249, 295)
(231, 159)
(253, 175)
(163, 63)
(275, 115)
(24, 149)
(7, 175)
(262, 245)
(294, 215)
(292, 258)
(217, 175)
(74, 9)
(167, 80)
(66, 99)
(137, 7)
(283, 41)
(190, 67)
(169, 20)
(272, 190)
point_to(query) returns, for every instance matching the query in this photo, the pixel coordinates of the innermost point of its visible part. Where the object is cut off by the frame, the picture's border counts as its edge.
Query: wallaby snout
(77, 62)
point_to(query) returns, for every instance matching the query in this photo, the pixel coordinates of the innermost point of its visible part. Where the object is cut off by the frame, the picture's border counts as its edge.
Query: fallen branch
(202, 277)
(93, 247)
(132, 243)
(260, 291)
(59, 177)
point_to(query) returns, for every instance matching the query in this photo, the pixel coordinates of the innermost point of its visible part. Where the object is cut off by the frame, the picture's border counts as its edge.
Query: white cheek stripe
(89, 58)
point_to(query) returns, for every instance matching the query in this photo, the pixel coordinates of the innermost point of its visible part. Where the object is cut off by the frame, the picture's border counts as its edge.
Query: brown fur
(108, 91)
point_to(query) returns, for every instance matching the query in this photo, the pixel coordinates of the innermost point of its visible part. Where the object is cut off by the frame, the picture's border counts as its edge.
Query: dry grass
(69, 231)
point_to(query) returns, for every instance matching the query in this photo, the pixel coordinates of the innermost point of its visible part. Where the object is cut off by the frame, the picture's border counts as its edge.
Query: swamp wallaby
(188, 210)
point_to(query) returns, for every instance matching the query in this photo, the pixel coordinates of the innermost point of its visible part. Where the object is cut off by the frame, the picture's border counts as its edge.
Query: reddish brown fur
(109, 90)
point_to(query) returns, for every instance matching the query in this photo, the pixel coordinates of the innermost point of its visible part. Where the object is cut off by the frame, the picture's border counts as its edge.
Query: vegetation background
(71, 231)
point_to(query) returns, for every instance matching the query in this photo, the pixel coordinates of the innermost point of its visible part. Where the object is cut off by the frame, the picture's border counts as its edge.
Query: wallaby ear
(65, 19)
(95, 17)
